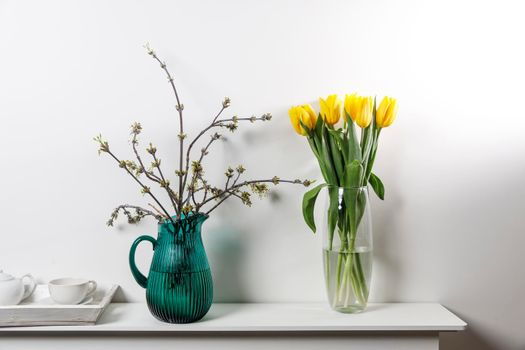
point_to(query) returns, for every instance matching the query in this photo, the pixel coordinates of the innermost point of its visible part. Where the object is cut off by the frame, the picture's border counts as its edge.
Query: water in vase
(347, 277)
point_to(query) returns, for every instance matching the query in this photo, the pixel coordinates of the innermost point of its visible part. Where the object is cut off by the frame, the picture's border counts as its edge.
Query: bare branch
(230, 193)
(139, 214)
(145, 189)
(204, 152)
(165, 184)
(179, 201)
(216, 124)
(181, 135)
(149, 174)
(161, 215)
(246, 183)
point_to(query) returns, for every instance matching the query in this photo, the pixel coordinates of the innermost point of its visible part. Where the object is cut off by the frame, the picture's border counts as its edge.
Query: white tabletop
(135, 317)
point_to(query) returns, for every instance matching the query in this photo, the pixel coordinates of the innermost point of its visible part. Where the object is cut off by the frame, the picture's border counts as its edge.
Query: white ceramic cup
(71, 291)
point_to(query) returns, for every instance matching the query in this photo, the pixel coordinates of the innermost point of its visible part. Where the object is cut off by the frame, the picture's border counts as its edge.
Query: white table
(307, 326)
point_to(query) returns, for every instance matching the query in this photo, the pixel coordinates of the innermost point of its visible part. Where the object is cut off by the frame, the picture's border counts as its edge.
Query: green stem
(327, 266)
(372, 158)
(355, 270)
(361, 277)
(347, 268)
(356, 285)
(328, 160)
(337, 278)
(352, 275)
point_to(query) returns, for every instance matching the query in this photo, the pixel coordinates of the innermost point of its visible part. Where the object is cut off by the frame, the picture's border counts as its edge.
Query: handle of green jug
(139, 277)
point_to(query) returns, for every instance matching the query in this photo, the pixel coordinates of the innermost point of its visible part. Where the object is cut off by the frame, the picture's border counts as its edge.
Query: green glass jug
(179, 287)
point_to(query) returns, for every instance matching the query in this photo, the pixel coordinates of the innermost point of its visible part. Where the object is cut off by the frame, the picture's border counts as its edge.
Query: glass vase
(347, 248)
(179, 286)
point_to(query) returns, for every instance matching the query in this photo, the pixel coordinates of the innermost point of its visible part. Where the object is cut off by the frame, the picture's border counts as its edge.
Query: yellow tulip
(311, 114)
(364, 117)
(330, 109)
(352, 105)
(359, 108)
(299, 114)
(386, 112)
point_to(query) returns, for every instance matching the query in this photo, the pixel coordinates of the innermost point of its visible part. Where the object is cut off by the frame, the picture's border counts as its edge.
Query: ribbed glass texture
(179, 287)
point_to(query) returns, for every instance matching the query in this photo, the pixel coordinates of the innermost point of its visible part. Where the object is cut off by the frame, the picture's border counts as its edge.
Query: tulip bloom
(359, 108)
(352, 105)
(311, 113)
(386, 112)
(302, 114)
(330, 109)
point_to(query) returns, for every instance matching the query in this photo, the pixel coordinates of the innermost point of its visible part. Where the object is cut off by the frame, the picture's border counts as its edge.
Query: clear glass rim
(348, 188)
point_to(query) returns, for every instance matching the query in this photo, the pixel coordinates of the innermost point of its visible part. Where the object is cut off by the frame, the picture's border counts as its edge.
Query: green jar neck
(185, 226)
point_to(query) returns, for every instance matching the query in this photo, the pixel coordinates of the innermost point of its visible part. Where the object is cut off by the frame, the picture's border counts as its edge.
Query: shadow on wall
(225, 246)
(472, 283)
(385, 225)
(388, 275)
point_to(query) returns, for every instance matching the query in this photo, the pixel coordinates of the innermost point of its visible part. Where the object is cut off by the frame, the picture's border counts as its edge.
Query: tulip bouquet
(346, 163)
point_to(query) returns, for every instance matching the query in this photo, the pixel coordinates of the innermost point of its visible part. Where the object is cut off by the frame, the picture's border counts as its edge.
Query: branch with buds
(133, 218)
(190, 173)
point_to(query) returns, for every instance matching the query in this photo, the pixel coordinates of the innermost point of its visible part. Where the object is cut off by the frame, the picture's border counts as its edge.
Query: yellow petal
(324, 108)
(305, 119)
(294, 119)
(331, 100)
(311, 114)
(391, 113)
(351, 105)
(365, 114)
(336, 111)
(386, 112)
(381, 111)
(330, 109)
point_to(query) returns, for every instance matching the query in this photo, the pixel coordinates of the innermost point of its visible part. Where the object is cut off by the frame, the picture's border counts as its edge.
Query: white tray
(41, 310)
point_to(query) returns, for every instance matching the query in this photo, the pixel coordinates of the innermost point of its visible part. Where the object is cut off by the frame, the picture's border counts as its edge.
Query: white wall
(451, 228)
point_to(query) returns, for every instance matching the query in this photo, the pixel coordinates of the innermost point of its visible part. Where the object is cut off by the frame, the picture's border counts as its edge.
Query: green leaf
(331, 176)
(309, 132)
(361, 206)
(354, 150)
(336, 155)
(337, 134)
(341, 140)
(313, 145)
(353, 174)
(345, 148)
(368, 139)
(366, 142)
(377, 185)
(316, 143)
(318, 129)
(309, 199)
(333, 212)
(373, 152)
